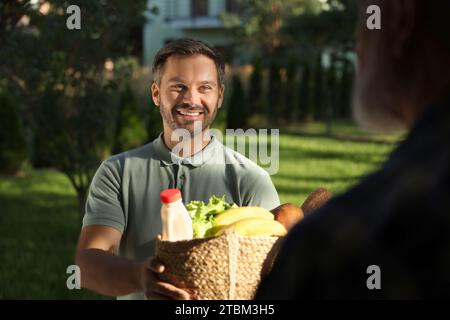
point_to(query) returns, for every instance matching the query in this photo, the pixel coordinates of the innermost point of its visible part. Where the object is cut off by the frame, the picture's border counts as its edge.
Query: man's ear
(155, 94)
(221, 94)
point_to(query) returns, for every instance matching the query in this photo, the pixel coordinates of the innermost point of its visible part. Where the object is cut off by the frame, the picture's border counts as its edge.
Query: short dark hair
(186, 47)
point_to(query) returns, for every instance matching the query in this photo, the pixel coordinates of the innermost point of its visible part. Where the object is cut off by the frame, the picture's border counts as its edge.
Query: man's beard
(194, 127)
(374, 108)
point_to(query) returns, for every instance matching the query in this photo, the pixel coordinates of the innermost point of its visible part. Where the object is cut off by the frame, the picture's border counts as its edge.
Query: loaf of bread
(315, 200)
(288, 215)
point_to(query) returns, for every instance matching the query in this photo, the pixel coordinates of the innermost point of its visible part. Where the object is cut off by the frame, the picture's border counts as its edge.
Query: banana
(232, 215)
(256, 227)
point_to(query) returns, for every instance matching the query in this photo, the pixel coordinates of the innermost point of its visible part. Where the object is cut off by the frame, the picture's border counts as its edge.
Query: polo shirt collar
(197, 160)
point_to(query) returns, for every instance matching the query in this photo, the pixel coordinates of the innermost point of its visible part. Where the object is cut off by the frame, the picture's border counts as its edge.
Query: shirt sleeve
(103, 204)
(261, 192)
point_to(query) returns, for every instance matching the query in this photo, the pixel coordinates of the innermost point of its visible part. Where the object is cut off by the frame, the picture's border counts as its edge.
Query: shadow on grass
(319, 180)
(289, 153)
(344, 137)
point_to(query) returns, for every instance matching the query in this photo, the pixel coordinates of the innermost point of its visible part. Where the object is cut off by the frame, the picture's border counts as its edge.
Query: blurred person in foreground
(123, 208)
(397, 219)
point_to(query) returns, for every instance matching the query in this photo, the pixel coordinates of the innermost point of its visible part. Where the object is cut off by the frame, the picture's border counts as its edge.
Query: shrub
(237, 110)
(130, 131)
(13, 151)
(154, 122)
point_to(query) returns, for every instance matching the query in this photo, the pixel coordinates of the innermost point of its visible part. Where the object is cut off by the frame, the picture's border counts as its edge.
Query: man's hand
(105, 273)
(153, 287)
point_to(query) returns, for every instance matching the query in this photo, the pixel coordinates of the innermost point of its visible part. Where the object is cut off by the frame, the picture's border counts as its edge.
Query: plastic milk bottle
(176, 222)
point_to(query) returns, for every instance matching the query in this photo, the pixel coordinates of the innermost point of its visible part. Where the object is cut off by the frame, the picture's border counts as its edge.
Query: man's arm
(105, 273)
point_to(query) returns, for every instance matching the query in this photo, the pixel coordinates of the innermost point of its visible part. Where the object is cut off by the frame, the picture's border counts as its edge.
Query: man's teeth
(192, 114)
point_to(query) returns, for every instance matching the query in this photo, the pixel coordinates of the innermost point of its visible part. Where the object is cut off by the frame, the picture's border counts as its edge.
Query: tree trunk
(329, 113)
(81, 190)
(82, 195)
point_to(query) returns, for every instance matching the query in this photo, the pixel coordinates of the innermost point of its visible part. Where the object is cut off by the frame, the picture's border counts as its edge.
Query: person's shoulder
(242, 164)
(130, 157)
(143, 152)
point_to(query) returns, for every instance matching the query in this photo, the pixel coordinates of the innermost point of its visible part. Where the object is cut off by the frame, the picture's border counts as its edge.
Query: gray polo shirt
(125, 191)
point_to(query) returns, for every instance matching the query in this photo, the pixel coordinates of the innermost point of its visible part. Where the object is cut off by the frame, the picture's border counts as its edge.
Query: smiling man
(122, 219)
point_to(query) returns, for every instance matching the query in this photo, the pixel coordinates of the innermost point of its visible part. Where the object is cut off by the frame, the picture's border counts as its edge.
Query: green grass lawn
(39, 226)
(342, 128)
(39, 219)
(307, 163)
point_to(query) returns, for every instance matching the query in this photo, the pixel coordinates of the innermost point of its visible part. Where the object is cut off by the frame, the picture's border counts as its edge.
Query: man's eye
(205, 88)
(179, 88)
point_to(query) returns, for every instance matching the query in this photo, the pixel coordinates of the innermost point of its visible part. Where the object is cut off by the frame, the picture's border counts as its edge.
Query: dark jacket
(397, 219)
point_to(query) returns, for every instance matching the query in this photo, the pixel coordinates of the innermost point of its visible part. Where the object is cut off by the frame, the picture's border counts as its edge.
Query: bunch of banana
(251, 221)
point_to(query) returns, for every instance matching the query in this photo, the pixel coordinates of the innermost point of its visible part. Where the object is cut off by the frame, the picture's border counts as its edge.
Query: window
(199, 8)
(231, 6)
(171, 9)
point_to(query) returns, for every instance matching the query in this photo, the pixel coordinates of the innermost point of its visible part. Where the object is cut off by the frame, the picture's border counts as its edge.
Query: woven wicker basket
(226, 267)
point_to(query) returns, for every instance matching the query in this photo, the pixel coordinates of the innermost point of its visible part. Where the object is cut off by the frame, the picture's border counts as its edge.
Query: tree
(13, 151)
(278, 29)
(304, 102)
(237, 109)
(329, 30)
(67, 77)
(259, 26)
(130, 131)
(256, 93)
(332, 26)
(291, 92)
(82, 134)
(318, 89)
(331, 93)
(276, 94)
(345, 90)
(154, 122)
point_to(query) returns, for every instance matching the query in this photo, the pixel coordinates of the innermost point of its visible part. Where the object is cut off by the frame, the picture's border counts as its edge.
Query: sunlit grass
(39, 227)
(343, 128)
(307, 163)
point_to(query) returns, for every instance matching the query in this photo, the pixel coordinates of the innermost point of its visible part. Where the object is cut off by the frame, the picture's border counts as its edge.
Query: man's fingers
(159, 289)
(155, 265)
(171, 291)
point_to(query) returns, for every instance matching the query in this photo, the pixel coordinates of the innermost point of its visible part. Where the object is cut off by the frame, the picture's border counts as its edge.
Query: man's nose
(192, 97)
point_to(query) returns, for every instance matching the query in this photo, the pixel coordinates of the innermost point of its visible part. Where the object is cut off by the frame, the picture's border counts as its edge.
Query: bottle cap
(170, 195)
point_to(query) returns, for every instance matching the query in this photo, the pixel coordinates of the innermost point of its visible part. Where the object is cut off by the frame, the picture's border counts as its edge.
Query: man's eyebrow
(211, 83)
(205, 82)
(176, 79)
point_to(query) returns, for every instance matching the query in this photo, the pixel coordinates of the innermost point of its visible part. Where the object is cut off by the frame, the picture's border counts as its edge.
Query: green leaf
(203, 214)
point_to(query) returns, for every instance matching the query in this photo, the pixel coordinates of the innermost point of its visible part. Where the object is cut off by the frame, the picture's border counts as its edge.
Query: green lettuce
(203, 214)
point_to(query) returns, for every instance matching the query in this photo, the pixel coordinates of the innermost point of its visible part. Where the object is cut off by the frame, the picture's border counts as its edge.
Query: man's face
(189, 92)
